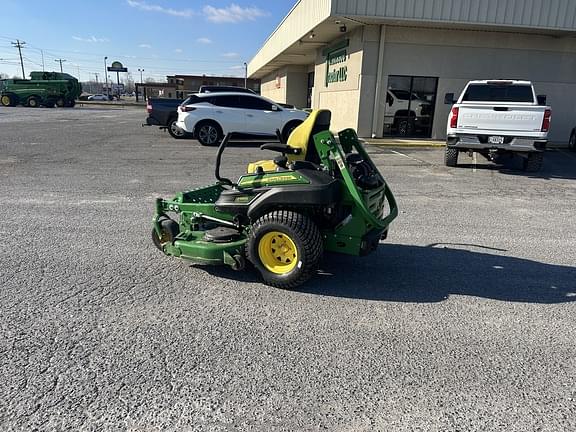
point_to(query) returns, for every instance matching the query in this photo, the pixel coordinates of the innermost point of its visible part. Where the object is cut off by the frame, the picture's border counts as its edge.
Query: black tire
(572, 142)
(533, 163)
(60, 102)
(288, 129)
(8, 100)
(175, 131)
(305, 236)
(169, 229)
(208, 133)
(451, 157)
(33, 102)
(70, 103)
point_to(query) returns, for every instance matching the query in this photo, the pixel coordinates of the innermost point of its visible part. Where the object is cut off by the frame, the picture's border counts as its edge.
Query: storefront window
(410, 105)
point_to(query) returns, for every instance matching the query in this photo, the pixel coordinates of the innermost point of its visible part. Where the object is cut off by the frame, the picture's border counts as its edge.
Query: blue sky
(160, 36)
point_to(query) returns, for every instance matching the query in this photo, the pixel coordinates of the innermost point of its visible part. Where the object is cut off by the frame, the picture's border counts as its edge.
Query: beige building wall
(287, 85)
(342, 98)
(457, 56)
(453, 56)
(273, 86)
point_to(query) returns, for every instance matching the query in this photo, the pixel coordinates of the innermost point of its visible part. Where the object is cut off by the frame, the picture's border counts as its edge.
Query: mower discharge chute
(320, 194)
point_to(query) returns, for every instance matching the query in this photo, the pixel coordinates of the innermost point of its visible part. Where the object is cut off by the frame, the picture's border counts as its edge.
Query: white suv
(208, 117)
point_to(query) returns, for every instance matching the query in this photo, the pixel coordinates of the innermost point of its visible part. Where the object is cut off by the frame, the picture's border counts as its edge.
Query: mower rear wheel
(169, 230)
(285, 247)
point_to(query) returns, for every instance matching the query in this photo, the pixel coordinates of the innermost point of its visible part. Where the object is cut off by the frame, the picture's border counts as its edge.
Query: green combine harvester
(47, 89)
(321, 194)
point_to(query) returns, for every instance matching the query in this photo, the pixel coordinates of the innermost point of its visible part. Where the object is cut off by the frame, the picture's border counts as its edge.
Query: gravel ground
(462, 320)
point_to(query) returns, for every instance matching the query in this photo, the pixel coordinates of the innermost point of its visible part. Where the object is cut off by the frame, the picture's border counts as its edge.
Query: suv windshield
(498, 93)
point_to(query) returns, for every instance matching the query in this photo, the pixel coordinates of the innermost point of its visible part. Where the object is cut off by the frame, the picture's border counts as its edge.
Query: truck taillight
(546, 120)
(185, 108)
(454, 118)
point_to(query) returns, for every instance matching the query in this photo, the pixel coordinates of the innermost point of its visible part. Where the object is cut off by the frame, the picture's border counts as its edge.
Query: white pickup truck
(496, 117)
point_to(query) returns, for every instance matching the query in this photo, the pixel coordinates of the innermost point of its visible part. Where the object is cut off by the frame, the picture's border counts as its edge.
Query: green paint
(272, 179)
(336, 69)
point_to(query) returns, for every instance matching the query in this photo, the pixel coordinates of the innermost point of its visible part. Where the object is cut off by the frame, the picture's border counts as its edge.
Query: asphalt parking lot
(462, 320)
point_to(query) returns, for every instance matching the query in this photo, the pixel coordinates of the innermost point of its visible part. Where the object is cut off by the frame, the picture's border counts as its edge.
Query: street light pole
(106, 75)
(245, 75)
(140, 70)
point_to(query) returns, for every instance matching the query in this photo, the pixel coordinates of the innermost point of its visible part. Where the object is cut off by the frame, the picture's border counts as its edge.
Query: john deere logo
(336, 69)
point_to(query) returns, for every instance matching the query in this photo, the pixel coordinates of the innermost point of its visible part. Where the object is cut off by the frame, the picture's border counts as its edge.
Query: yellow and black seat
(300, 145)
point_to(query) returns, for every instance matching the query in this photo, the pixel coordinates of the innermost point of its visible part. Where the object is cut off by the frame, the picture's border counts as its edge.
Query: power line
(19, 45)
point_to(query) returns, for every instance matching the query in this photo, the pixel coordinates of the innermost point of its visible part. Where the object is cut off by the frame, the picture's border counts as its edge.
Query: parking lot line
(410, 157)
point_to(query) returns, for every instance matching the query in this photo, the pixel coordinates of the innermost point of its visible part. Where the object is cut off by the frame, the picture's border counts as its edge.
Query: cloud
(233, 14)
(145, 46)
(183, 13)
(204, 40)
(178, 50)
(91, 39)
(231, 55)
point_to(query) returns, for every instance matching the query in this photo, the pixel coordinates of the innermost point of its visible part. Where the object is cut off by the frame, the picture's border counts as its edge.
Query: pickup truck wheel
(451, 157)
(175, 131)
(572, 142)
(32, 102)
(533, 163)
(208, 133)
(405, 127)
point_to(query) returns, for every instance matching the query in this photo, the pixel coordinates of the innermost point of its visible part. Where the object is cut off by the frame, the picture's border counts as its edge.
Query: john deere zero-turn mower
(320, 194)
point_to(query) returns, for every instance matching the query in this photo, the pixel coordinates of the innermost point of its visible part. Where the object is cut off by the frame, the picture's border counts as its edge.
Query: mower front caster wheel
(285, 247)
(168, 229)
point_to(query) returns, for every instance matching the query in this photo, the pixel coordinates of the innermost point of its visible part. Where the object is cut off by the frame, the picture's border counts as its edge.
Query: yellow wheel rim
(278, 252)
(5, 100)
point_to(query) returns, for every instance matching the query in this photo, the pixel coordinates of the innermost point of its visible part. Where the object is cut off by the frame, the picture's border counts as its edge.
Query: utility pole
(97, 83)
(106, 75)
(60, 61)
(18, 44)
(141, 71)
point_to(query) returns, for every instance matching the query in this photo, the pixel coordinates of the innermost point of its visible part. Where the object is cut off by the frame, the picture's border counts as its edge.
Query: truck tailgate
(504, 118)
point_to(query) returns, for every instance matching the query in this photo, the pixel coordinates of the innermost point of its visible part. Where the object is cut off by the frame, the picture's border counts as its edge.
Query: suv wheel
(288, 129)
(208, 133)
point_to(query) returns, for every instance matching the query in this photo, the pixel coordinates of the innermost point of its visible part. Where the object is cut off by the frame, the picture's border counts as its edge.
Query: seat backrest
(303, 136)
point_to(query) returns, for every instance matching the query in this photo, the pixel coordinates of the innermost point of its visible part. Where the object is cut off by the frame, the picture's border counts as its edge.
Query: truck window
(498, 93)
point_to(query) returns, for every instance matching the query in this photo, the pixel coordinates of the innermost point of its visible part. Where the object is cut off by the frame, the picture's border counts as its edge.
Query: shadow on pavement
(431, 274)
(425, 274)
(558, 164)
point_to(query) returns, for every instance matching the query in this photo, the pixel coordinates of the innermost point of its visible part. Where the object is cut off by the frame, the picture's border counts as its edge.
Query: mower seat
(301, 138)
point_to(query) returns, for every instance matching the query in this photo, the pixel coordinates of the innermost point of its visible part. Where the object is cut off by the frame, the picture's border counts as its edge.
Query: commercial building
(191, 83)
(383, 66)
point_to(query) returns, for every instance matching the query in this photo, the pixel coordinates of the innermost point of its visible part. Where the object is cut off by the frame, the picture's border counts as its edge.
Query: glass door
(410, 102)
